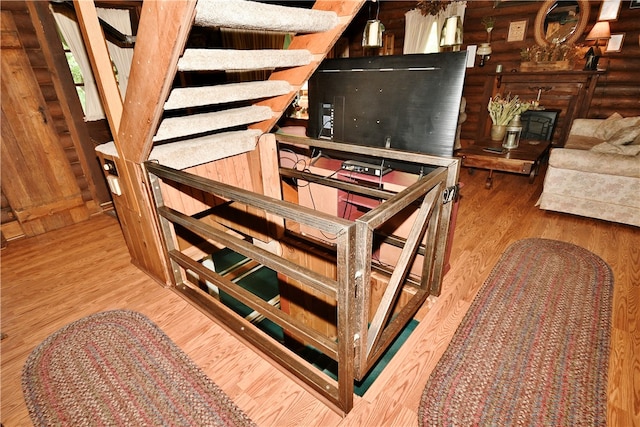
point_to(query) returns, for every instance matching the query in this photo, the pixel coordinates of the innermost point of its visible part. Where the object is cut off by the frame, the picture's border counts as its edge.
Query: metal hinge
(450, 194)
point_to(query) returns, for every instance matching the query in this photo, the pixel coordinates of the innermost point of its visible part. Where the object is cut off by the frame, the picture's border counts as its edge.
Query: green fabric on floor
(330, 367)
(264, 283)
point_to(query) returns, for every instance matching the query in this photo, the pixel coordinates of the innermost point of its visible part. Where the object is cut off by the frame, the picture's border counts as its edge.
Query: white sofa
(597, 173)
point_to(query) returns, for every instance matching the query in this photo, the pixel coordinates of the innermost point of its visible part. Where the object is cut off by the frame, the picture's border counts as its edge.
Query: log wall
(37, 37)
(618, 90)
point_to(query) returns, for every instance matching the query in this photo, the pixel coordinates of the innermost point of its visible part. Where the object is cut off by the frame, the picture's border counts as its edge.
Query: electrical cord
(305, 168)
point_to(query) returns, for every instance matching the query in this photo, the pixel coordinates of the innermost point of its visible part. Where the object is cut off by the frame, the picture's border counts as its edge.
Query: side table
(524, 160)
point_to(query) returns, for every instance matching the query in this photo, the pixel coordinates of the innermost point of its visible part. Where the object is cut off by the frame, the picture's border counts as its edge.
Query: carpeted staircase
(201, 96)
(226, 122)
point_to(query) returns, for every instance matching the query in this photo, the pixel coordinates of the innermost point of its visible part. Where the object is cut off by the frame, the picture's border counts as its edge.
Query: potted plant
(488, 22)
(502, 111)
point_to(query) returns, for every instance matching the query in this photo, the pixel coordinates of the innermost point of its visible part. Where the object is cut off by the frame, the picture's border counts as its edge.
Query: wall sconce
(451, 35)
(484, 52)
(372, 36)
(600, 31)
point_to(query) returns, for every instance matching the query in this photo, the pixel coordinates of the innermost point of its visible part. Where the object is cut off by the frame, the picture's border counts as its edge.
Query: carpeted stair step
(242, 60)
(193, 152)
(220, 94)
(241, 14)
(178, 127)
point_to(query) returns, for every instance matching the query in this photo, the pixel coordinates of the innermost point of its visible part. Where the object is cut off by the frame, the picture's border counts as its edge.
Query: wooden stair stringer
(319, 44)
(160, 43)
(162, 35)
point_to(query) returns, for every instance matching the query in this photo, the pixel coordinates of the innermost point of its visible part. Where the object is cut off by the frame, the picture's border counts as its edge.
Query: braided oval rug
(117, 368)
(533, 349)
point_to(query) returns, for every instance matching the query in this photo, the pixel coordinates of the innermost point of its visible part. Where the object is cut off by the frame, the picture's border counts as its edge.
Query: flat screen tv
(404, 102)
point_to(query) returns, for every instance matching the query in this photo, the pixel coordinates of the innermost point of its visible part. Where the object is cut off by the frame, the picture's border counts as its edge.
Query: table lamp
(600, 31)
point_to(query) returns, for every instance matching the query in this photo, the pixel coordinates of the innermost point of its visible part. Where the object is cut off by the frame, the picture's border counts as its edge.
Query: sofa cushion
(607, 147)
(605, 126)
(613, 124)
(596, 162)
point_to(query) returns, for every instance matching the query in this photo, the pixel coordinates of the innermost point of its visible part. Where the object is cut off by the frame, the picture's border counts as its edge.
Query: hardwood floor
(51, 280)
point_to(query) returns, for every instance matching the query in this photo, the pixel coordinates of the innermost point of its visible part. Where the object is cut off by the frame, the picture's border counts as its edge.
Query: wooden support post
(162, 33)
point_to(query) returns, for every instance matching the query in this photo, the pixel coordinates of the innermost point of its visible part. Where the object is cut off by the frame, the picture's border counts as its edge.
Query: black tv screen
(404, 102)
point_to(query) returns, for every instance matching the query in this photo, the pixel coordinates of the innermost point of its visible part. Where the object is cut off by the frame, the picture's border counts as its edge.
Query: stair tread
(177, 127)
(236, 60)
(251, 15)
(192, 152)
(220, 94)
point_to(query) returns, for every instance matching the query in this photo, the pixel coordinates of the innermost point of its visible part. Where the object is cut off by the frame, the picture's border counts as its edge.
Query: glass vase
(512, 133)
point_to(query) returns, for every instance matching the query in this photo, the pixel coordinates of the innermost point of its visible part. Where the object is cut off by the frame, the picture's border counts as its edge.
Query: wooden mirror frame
(585, 9)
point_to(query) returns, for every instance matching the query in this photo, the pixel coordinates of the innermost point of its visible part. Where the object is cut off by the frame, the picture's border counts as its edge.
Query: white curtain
(121, 56)
(422, 33)
(71, 33)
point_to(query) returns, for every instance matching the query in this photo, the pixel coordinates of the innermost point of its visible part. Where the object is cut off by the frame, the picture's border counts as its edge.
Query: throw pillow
(613, 124)
(625, 136)
(627, 150)
(606, 124)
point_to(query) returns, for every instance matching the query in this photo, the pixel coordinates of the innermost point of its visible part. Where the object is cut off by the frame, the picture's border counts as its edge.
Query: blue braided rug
(533, 349)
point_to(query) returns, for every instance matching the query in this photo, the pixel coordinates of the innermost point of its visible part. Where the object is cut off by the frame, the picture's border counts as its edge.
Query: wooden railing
(359, 341)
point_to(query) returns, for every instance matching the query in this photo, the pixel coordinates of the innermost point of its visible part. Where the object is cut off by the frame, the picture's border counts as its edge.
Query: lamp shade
(451, 34)
(599, 31)
(372, 36)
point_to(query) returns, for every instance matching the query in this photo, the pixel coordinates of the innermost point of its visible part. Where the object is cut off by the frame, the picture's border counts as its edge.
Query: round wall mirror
(560, 21)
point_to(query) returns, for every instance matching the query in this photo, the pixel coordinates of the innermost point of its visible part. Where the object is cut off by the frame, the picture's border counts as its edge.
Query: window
(76, 73)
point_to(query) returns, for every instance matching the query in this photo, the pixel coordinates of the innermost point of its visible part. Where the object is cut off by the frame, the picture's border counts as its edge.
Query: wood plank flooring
(56, 278)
